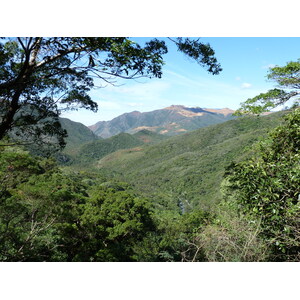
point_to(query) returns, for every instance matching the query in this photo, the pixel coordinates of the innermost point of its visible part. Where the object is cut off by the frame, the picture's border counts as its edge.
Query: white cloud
(178, 79)
(238, 78)
(268, 66)
(246, 85)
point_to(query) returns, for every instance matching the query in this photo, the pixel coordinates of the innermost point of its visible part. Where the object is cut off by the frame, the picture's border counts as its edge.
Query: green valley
(164, 193)
(187, 169)
(175, 184)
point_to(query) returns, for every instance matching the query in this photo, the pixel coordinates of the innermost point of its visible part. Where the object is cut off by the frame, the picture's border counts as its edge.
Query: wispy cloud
(211, 91)
(268, 66)
(184, 80)
(148, 90)
(246, 85)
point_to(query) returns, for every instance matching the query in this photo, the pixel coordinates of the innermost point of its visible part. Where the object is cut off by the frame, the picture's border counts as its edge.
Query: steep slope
(149, 137)
(186, 171)
(78, 134)
(170, 121)
(93, 151)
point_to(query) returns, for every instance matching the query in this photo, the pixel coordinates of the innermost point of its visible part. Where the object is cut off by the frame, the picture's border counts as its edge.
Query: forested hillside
(88, 153)
(92, 151)
(186, 171)
(156, 202)
(78, 134)
(182, 184)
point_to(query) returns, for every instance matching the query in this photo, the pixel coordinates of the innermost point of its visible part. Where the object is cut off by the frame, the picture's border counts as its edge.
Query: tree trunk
(19, 84)
(8, 118)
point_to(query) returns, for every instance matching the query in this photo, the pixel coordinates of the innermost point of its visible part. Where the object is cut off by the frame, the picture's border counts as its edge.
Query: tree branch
(34, 49)
(59, 55)
(22, 44)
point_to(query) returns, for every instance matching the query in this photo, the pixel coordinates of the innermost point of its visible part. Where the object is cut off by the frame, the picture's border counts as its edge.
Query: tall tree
(266, 187)
(288, 81)
(40, 77)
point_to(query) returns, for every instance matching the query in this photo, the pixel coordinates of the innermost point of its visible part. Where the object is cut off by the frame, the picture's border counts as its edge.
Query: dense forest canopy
(227, 192)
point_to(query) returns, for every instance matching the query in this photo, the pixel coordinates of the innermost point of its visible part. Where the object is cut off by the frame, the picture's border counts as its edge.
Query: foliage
(231, 237)
(202, 53)
(47, 215)
(173, 238)
(187, 169)
(40, 77)
(115, 220)
(17, 218)
(286, 77)
(78, 134)
(149, 137)
(266, 186)
(93, 151)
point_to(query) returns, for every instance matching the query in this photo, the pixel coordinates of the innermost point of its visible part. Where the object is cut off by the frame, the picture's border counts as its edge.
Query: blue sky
(245, 63)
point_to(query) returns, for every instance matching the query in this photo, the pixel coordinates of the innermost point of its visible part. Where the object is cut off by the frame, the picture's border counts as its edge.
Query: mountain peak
(175, 107)
(135, 113)
(187, 111)
(171, 120)
(198, 110)
(224, 111)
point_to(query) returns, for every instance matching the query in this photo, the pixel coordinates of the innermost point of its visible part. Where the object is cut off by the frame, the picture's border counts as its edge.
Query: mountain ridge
(189, 168)
(172, 120)
(78, 134)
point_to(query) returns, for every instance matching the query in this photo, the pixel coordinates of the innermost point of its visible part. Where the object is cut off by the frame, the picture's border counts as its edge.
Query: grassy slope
(188, 169)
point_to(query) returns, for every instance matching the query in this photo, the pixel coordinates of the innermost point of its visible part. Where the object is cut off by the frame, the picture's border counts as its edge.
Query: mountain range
(172, 120)
(185, 170)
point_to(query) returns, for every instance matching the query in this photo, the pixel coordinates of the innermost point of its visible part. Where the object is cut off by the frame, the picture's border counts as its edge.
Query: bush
(267, 187)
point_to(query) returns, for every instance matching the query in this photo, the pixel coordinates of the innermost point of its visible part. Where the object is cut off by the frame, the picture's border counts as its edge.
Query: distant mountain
(169, 121)
(95, 150)
(98, 149)
(78, 134)
(187, 170)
